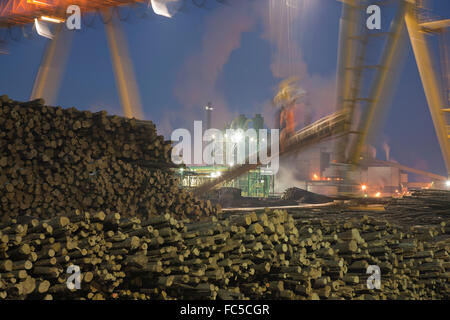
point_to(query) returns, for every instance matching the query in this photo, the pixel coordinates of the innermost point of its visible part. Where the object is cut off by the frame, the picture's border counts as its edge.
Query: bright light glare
(50, 19)
(38, 3)
(42, 30)
(363, 187)
(215, 174)
(166, 8)
(447, 183)
(237, 137)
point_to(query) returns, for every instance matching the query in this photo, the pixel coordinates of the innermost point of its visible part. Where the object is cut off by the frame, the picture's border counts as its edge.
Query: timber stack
(426, 206)
(94, 193)
(54, 161)
(269, 255)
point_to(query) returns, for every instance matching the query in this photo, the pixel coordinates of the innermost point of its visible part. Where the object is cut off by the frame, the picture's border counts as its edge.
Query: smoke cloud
(196, 83)
(282, 23)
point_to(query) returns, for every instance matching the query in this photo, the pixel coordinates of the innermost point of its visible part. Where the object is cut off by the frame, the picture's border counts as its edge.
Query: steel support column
(429, 81)
(48, 78)
(379, 85)
(346, 54)
(123, 70)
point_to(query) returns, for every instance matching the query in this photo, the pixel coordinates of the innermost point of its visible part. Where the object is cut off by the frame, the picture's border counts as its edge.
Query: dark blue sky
(167, 55)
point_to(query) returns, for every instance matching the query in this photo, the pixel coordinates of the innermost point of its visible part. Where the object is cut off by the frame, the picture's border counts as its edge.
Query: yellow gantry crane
(19, 13)
(437, 101)
(48, 78)
(353, 131)
(351, 65)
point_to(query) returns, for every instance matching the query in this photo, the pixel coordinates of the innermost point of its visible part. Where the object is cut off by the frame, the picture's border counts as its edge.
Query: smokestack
(387, 150)
(208, 111)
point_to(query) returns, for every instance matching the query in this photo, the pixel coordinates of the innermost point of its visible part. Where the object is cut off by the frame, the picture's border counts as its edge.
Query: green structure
(252, 183)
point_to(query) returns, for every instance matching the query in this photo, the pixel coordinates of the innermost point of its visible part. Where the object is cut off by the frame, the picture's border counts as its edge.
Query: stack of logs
(422, 206)
(269, 255)
(54, 160)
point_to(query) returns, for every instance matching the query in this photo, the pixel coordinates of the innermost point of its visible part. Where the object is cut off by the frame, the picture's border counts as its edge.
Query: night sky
(223, 54)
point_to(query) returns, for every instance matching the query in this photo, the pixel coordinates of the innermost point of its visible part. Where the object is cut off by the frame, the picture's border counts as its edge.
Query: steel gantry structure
(353, 41)
(352, 131)
(22, 12)
(356, 110)
(19, 13)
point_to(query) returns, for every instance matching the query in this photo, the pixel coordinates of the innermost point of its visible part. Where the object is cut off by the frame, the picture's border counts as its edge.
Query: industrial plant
(211, 150)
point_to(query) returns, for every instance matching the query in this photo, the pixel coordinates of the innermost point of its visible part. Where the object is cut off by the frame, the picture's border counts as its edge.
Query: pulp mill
(247, 150)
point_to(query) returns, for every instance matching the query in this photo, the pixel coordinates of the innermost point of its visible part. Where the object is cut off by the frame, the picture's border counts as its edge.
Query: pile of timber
(414, 260)
(55, 160)
(422, 206)
(266, 255)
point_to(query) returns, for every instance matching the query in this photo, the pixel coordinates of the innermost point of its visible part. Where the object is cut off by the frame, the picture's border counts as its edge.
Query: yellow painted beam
(379, 86)
(435, 25)
(123, 69)
(429, 82)
(48, 78)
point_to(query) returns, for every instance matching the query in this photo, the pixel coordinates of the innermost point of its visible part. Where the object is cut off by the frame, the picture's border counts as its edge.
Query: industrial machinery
(20, 13)
(15, 13)
(353, 71)
(285, 102)
(319, 131)
(351, 131)
(252, 184)
(357, 110)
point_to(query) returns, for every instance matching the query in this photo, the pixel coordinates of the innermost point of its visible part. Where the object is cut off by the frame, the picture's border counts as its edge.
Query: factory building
(254, 183)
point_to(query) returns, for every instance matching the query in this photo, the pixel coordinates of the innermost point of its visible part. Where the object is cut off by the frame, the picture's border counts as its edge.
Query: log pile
(414, 260)
(54, 160)
(269, 255)
(422, 207)
(97, 192)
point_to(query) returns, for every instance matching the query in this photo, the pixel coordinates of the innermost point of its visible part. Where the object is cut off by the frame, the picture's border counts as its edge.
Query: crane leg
(48, 78)
(123, 70)
(379, 86)
(430, 83)
(346, 52)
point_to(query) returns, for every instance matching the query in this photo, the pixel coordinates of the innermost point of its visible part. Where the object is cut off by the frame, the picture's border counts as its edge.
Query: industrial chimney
(208, 111)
